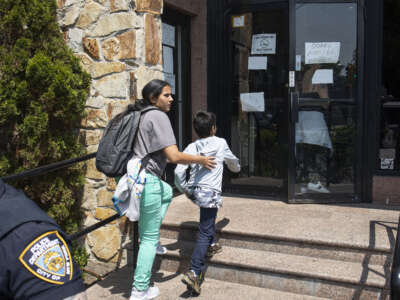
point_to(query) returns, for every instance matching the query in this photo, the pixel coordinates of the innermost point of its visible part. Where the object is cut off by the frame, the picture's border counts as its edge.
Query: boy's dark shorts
(36, 263)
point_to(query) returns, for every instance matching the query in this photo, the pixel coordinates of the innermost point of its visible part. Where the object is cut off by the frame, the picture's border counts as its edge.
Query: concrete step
(283, 244)
(117, 286)
(297, 274)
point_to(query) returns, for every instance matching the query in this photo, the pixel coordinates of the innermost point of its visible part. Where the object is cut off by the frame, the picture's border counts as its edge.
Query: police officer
(35, 257)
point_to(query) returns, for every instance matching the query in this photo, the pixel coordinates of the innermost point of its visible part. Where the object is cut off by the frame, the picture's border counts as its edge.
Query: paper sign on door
(252, 101)
(322, 53)
(264, 43)
(258, 62)
(323, 76)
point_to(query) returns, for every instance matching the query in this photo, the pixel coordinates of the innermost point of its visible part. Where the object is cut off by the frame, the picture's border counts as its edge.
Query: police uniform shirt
(35, 257)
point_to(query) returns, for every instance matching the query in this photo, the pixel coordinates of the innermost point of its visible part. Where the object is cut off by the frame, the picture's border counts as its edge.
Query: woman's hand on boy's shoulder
(208, 162)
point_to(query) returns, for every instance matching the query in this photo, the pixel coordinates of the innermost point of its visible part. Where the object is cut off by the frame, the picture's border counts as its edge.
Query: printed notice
(258, 62)
(264, 43)
(168, 59)
(170, 78)
(322, 76)
(322, 53)
(238, 21)
(168, 35)
(252, 101)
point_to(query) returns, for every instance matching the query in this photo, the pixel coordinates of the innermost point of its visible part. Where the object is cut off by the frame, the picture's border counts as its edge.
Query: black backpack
(116, 144)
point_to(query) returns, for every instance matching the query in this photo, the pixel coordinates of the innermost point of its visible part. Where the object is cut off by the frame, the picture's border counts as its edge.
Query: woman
(155, 137)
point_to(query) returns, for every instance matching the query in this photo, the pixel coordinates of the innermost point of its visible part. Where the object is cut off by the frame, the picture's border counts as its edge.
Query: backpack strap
(147, 157)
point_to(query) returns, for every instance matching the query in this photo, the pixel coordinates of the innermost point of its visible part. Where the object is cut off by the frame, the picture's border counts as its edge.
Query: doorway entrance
(295, 111)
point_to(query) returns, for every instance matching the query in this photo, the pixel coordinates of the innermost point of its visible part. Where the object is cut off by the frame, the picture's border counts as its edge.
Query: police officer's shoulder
(80, 296)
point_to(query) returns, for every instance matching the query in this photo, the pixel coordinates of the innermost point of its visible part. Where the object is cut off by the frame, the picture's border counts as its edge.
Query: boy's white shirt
(200, 176)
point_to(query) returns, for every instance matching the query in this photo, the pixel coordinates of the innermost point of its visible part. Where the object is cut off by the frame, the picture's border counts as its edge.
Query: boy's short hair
(203, 123)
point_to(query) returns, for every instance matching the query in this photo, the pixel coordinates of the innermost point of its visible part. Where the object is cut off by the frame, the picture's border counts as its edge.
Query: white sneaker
(150, 293)
(161, 250)
(317, 187)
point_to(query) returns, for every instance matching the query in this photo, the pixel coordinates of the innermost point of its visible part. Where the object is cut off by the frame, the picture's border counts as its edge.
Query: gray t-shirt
(155, 133)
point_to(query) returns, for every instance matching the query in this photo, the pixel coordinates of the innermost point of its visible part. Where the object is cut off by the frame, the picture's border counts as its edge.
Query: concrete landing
(354, 225)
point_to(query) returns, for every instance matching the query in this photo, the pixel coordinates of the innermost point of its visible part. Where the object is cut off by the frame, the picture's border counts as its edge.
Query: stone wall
(119, 44)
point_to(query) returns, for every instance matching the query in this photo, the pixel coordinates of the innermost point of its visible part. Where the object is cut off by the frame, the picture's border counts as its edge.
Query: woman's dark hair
(151, 90)
(203, 123)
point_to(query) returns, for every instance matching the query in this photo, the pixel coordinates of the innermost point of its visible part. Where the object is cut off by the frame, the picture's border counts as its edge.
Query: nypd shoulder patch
(48, 258)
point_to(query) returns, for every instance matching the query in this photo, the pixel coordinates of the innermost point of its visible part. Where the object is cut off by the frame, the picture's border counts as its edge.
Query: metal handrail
(49, 168)
(64, 164)
(395, 271)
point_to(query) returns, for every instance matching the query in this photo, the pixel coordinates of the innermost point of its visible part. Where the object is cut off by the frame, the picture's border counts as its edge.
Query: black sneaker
(213, 249)
(192, 281)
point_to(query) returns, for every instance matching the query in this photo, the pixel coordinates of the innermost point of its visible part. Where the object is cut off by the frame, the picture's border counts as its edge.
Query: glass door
(259, 124)
(324, 103)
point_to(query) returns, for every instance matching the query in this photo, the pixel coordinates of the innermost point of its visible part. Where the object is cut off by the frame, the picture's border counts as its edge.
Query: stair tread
(171, 288)
(217, 289)
(333, 270)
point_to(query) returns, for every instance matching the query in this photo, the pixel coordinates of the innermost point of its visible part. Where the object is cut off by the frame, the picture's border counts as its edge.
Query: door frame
(247, 190)
(359, 166)
(182, 122)
(220, 83)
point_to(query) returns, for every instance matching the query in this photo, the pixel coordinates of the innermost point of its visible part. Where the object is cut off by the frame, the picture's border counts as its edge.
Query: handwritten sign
(322, 53)
(264, 43)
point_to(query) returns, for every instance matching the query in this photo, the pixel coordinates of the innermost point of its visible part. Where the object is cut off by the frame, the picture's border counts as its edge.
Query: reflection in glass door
(325, 101)
(259, 125)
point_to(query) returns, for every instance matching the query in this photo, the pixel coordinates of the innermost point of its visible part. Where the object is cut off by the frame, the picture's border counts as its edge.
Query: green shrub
(43, 91)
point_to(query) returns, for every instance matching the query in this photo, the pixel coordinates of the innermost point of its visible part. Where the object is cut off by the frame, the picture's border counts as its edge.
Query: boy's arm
(230, 159)
(180, 171)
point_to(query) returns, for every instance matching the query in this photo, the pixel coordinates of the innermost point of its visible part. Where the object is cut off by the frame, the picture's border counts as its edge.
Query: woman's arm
(176, 157)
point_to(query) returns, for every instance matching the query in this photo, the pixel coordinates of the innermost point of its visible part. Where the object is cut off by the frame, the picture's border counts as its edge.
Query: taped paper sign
(168, 34)
(238, 21)
(264, 43)
(252, 101)
(322, 76)
(322, 53)
(258, 62)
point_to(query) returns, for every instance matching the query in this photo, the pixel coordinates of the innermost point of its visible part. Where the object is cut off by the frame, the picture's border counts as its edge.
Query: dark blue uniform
(35, 257)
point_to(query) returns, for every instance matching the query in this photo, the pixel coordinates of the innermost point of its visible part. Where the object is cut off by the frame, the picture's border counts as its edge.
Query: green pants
(156, 197)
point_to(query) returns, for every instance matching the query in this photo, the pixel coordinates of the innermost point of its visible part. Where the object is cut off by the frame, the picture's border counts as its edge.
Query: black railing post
(135, 241)
(395, 276)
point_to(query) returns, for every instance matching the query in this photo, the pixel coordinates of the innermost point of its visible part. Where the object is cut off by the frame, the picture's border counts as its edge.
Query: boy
(204, 189)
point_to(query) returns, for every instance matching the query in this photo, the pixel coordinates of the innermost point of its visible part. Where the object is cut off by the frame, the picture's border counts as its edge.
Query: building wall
(386, 190)
(119, 44)
(197, 10)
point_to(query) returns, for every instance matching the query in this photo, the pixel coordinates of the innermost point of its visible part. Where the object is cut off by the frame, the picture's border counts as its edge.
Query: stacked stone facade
(119, 45)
